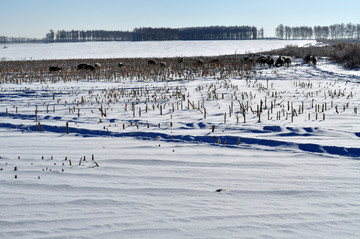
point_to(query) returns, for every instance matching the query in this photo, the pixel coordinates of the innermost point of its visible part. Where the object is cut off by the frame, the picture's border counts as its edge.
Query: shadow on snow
(225, 141)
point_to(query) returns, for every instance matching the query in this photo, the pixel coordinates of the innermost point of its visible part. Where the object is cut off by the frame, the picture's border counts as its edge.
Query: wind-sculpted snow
(168, 188)
(177, 159)
(223, 141)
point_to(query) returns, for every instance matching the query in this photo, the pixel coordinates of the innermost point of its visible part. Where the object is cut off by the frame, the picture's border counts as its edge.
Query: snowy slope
(282, 178)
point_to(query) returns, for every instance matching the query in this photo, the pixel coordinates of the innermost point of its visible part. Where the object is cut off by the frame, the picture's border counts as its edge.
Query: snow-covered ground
(141, 49)
(160, 164)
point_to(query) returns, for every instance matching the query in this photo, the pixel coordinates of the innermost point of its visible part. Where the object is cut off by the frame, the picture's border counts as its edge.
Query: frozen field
(294, 173)
(141, 49)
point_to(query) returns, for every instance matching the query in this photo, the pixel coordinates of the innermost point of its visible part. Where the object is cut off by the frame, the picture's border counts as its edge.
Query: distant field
(141, 49)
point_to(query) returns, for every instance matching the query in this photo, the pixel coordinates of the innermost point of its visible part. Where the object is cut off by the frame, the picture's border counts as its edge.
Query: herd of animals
(263, 60)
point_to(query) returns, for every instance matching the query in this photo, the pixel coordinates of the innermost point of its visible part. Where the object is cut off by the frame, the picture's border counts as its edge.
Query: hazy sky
(34, 18)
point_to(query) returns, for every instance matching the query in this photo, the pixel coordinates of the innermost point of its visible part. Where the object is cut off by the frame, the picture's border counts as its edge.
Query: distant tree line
(218, 33)
(5, 39)
(157, 34)
(90, 35)
(334, 32)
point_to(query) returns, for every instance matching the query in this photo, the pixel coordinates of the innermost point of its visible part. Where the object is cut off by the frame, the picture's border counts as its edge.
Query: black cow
(152, 62)
(217, 60)
(262, 60)
(248, 60)
(307, 59)
(81, 66)
(54, 68)
(314, 60)
(89, 67)
(280, 61)
(200, 62)
(310, 59)
(270, 61)
(288, 61)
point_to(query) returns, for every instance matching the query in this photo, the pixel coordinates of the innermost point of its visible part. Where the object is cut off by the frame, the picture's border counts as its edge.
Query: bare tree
(288, 32)
(279, 31)
(261, 33)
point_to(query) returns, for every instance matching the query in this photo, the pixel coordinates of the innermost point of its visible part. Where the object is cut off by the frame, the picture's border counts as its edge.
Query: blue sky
(34, 18)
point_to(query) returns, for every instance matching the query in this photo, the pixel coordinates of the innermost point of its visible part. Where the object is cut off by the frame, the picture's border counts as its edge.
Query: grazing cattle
(55, 68)
(280, 61)
(288, 61)
(81, 66)
(200, 62)
(307, 59)
(120, 64)
(152, 62)
(217, 60)
(262, 60)
(89, 67)
(162, 64)
(314, 60)
(310, 59)
(248, 60)
(86, 67)
(97, 65)
(270, 61)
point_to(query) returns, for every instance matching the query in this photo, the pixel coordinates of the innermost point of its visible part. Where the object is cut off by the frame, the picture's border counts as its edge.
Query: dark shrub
(347, 54)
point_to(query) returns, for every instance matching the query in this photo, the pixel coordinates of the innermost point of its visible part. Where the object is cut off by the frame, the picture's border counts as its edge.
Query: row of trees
(293, 32)
(336, 32)
(218, 33)
(5, 39)
(158, 34)
(93, 35)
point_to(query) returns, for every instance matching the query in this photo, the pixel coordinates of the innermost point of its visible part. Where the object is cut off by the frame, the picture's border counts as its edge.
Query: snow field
(141, 49)
(276, 107)
(160, 163)
(163, 191)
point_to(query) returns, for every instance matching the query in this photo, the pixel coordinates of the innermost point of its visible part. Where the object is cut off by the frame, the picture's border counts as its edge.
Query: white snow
(141, 49)
(285, 179)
